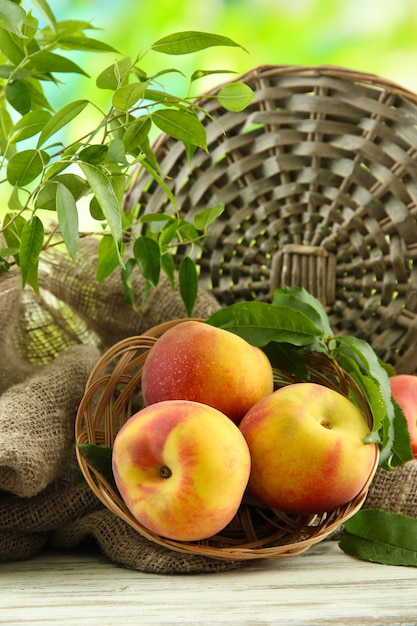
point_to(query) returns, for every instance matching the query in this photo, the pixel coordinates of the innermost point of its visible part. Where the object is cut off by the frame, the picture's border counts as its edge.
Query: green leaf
(47, 62)
(46, 198)
(67, 219)
(235, 96)
(168, 233)
(117, 152)
(168, 267)
(12, 232)
(108, 258)
(148, 256)
(358, 358)
(128, 289)
(114, 75)
(162, 97)
(202, 73)
(29, 125)
(100, 457)
(18, 96)
(5, 126)
(288, 358)
(191, 41)
(127, 95)
(94, 153)
(300, 299)
(86, 44)
(104, 192)
(188, 281)
(12, 17)
(46, 11)
(381, 537)
(14, 202)
(30, 248)
(206, 217)
(181, 125)
(61, 118)
(136, 133)
(260, 323)
(96, 210)
(25, 166)
(187, 231)
(159, 179)
(12, 49)
(30, 30)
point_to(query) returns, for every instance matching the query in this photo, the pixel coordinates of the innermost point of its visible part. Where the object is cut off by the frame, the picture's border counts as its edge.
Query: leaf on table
(381, 537)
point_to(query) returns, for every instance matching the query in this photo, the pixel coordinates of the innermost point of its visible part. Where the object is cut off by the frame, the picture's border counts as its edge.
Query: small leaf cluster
(296, 322)
(45, 173)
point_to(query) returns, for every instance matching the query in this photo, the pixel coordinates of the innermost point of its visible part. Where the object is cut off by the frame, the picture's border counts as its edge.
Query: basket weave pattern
(319, 181)
(113, 394)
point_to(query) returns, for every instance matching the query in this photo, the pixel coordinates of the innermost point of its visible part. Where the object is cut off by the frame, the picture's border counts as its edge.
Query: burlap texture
(395, 491)
(49, 347)
(13, 369)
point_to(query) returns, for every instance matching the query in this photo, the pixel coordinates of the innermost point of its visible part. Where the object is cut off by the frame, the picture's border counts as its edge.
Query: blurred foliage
(377, 36)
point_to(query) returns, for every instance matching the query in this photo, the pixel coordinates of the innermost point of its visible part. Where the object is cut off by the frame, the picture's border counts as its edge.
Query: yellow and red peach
(198, 362)
(308, 450)
(404, 392)
(181, 468)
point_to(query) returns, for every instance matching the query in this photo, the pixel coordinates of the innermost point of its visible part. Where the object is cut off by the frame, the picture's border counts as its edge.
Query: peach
(308, 450)
(404, 392)
(198, 362)
(181, 467)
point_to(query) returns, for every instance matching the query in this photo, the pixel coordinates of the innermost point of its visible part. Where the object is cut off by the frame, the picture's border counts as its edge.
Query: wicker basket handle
(311, 267)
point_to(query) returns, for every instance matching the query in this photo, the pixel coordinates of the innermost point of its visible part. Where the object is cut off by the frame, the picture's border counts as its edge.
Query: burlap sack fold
(37, 422)
(394, 491)
(13, 368)
(123, 545)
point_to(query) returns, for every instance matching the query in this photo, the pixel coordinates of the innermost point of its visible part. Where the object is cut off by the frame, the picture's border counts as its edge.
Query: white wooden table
(322, 586)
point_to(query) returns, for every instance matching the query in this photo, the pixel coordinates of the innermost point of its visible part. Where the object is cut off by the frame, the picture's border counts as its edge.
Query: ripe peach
(198, 362)
(404, 392)
(182, 468)
(308, 451)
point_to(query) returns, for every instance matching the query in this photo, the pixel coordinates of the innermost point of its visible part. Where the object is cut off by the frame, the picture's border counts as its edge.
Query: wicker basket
(113, 394)
(319, 181)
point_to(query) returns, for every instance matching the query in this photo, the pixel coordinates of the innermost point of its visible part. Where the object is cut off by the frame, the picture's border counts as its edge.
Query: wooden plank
(322, 586)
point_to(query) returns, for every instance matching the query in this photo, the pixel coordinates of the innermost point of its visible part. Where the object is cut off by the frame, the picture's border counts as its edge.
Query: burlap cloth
(49, 347)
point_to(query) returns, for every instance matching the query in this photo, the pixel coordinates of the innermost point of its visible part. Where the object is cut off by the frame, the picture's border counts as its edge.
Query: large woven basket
(113, 394)
(319, 181)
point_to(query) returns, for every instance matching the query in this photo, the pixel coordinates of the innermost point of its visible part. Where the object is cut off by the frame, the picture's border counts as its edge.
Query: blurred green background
(377, 36)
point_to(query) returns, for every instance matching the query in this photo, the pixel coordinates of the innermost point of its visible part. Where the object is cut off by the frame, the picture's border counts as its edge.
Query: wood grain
(322, 586)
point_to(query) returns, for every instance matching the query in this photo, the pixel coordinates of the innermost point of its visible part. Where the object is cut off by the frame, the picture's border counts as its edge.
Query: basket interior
(319, 181)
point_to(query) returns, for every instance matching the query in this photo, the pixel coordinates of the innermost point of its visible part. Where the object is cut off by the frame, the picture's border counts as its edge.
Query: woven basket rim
(331, 70)
(304, 530)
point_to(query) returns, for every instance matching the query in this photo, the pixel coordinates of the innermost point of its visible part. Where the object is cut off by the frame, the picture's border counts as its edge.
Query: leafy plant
(45, 173)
